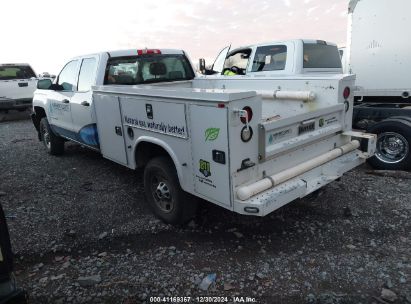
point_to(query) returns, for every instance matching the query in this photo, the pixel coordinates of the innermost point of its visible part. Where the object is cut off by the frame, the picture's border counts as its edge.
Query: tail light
(249, 111)
(346, 93)
(148, 52)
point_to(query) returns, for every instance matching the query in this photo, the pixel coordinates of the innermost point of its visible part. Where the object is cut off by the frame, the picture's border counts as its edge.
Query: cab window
(67, 77)
(270, 58)
(87, 74)
(237, 62)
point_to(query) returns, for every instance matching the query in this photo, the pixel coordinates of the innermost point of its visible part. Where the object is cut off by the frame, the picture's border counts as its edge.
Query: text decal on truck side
(137, 115)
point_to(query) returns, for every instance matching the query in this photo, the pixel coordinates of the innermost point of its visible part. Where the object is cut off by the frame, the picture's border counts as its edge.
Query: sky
(47, 33)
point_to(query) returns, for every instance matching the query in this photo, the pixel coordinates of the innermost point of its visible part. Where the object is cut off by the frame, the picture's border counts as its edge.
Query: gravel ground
(82, 234)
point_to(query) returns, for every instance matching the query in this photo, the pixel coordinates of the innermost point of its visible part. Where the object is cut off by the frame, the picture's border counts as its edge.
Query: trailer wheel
(164, 194)
(53, 143)
(393, 145)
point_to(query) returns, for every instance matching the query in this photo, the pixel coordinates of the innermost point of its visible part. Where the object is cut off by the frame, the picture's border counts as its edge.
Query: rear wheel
(164, 195)
(393, 149)
(53, 143)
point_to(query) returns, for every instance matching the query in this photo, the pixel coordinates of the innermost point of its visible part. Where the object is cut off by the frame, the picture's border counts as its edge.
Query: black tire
(164, 194)
(53, 143)
(393, 144)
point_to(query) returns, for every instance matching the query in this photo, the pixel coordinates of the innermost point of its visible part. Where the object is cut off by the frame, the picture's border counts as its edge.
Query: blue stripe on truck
(87, 135)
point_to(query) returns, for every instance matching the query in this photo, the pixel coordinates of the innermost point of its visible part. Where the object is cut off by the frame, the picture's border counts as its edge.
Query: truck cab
(288, 57)
(67, 104)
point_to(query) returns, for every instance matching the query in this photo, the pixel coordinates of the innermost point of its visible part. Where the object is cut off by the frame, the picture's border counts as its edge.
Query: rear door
(82, 109)
(59, 110)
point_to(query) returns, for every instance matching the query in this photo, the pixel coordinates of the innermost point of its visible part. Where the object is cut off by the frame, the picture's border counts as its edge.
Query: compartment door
(210, 153)
(110, 129)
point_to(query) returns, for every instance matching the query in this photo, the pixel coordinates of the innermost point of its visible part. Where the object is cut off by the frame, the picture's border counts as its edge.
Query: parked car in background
(47, 75)
(18, 81)
(276, 58)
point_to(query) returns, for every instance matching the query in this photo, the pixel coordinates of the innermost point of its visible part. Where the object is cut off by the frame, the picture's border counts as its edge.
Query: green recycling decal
(211, 134)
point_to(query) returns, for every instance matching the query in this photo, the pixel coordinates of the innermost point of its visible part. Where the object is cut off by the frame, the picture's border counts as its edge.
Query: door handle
(85, 103)
(65, 101)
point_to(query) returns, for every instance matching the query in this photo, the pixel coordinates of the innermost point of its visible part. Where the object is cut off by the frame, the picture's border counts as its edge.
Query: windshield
(148, 69)
(16, 72)
(321, 56)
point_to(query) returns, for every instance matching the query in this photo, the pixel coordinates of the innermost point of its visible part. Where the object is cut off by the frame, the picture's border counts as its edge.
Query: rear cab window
(144, 69)
(16, 72)
(321, 56)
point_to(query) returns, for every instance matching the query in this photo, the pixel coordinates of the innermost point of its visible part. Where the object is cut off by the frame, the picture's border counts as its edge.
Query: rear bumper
(300, 186)
(10, 104)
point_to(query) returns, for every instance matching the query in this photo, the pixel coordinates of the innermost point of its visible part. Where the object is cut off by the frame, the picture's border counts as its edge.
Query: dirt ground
(81, 233)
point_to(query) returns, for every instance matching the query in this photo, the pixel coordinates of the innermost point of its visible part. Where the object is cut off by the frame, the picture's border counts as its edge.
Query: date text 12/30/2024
(237, 299)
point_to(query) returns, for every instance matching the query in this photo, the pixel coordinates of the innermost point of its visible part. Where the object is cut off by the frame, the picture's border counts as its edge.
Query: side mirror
(202, 68)
(202, 65)
(52, 76)
(44, 84)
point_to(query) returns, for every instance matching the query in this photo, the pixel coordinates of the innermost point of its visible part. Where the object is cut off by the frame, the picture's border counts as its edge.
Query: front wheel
(393, 148)
(164, 194)
(53, 143)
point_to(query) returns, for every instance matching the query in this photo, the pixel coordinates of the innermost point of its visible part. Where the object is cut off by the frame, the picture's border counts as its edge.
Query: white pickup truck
(278, 58)
(17, 85)
(213, 138)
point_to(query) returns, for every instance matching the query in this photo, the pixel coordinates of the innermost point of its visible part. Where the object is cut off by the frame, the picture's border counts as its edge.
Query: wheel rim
(161, 193)
(392, 147)
(46, 136)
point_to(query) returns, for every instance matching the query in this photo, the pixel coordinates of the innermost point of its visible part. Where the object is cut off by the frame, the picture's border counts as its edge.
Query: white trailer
(378, 53)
